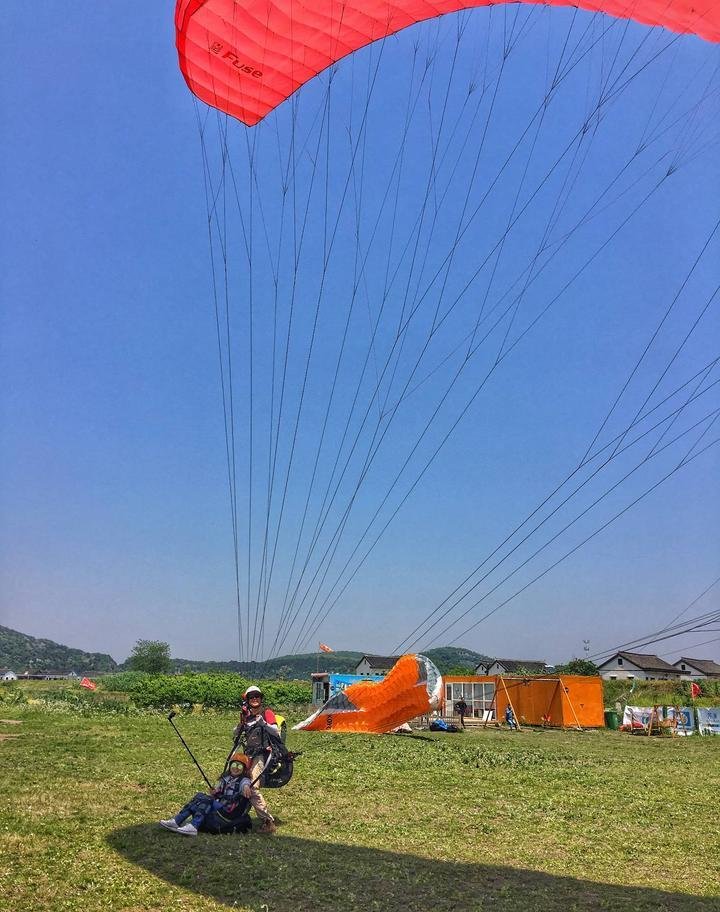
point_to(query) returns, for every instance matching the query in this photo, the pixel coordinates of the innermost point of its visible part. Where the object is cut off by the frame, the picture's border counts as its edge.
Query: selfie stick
(170, 720)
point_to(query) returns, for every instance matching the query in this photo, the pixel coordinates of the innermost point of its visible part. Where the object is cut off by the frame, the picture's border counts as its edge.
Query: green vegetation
(21, 652)
(130, 692)
(578, 667)
(150, 657)
(535, 821)
(660, 693)
(217, 691)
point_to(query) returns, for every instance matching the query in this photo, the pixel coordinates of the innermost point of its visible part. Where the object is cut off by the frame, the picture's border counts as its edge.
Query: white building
(375, 665)
(697, 668)
(7, 675)
(630, 665)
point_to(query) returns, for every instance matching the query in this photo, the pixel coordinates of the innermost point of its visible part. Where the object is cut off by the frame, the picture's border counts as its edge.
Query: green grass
(489, 821)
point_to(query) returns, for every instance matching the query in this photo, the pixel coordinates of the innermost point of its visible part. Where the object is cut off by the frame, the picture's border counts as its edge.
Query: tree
(458, 670)
(150, 656)
(578, 667)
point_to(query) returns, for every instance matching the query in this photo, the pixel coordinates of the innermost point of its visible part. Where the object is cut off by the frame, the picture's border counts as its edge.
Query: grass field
(489, 821)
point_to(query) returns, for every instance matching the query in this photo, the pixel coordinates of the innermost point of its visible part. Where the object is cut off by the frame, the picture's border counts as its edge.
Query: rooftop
(707, 666)
(380, 661)
(645, 661)
(517, 664)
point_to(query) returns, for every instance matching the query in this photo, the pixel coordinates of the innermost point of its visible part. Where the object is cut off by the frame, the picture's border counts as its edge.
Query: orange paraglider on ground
(412, 688)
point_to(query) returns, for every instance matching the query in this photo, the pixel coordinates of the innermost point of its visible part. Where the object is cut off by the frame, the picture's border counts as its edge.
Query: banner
(338, 682)
(637, 716)
(709, 720)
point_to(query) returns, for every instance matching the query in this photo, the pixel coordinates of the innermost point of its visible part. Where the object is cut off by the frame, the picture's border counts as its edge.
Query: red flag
(695, 690)
(325, 648)
(86, 682)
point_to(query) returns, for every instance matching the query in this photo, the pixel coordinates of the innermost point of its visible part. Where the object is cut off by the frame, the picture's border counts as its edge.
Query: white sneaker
(187, 829)
(169, 824)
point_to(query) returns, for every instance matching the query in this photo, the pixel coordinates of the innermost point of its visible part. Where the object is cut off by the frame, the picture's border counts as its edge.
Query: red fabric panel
(245, 57)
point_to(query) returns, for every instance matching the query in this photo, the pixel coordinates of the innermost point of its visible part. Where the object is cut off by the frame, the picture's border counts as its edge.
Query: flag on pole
(695, 690)
(325, 648)
(86, 682)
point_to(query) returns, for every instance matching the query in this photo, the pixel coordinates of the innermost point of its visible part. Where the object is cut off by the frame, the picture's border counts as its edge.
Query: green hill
(447, 658)
(20, 652)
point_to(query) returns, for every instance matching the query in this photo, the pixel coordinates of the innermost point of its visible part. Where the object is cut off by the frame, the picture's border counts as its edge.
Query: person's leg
(256, 799)
(189, 809)
(196, 808)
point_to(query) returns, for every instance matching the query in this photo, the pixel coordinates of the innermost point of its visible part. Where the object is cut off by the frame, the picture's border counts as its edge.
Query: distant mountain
(20, 652)
(447, 658)
(455, 658)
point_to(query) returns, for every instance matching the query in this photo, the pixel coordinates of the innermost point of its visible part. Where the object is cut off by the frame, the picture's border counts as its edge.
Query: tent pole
(567, 694)
(517, 720)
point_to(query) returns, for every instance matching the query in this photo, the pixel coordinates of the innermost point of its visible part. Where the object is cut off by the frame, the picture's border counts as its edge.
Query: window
(682, 665)
(478, 696)
(620, 661)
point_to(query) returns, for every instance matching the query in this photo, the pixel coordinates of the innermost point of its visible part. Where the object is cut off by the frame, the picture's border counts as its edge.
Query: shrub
(219, 691)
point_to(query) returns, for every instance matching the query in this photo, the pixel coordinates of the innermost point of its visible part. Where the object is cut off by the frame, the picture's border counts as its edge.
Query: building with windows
(637, 665)
(697, 668)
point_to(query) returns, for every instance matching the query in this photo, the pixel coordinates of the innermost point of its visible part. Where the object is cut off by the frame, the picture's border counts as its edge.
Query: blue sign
(339, 682)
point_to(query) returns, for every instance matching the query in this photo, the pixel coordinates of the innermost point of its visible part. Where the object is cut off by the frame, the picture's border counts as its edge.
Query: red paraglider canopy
(245, 57)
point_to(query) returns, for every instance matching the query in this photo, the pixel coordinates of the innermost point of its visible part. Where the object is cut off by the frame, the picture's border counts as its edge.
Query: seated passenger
(221, 810)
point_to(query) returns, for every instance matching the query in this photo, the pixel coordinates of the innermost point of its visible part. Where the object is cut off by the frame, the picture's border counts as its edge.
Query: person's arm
(246, 788)
(271, 721)
(238, 730)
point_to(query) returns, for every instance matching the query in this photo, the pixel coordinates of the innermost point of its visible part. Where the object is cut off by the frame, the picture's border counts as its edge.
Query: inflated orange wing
(413, 687)
(245, 57)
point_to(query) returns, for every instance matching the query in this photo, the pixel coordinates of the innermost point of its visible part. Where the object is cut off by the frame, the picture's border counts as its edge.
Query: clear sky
(566, 245)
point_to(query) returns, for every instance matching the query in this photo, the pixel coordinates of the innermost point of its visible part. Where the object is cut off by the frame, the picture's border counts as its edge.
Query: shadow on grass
(288, 874)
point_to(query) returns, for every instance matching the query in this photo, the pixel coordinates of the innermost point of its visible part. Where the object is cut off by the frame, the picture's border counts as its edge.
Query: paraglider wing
(245, 57)
(412, 688)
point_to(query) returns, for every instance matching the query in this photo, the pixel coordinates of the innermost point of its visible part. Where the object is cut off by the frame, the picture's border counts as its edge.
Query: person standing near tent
(510, 717)
(255, 720)
(461, 709)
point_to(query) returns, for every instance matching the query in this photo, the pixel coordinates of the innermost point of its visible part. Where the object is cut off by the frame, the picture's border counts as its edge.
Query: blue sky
(115, 517)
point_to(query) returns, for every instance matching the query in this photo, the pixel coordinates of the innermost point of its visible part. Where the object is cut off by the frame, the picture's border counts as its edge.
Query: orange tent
(562, 701)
